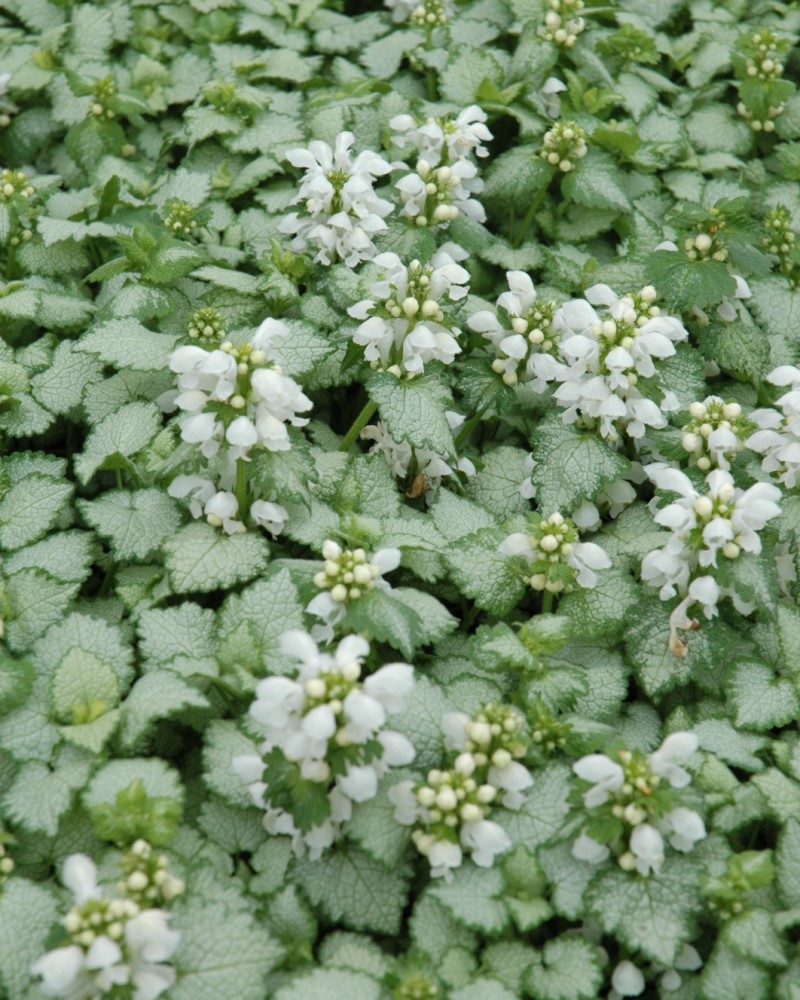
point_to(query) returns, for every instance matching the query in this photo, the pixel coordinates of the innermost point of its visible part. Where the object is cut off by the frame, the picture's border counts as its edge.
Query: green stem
(526, 222)
(430, 72)
(468, 427)
(360, 423)
(547, 602)
(119, 479)
(242, 491)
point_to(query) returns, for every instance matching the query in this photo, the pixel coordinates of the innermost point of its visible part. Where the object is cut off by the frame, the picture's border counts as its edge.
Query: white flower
(79, 875)
(484, 839)
(550, 91)
(337, 192)
(605, 358)
(683, 828)
(220, 511)
(552, 543)
(605, 774)
(269, 515)
(512, 780)
(435, 196)
(647, 846)
(585, 848)
(325, 709)
(404, 324)
(676, 747)
(627, 980)
(443, 139)
(150, 944)
(444, 856)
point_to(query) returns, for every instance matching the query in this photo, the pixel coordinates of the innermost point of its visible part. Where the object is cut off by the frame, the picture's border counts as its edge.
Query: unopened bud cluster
(6, 864)
(632, 806)
(765, 124)
(716, 432)
(430, 14)
(451, 808)
(146, 880)
(548, 733)
(103, 92)
(15, 182)
(765, 54)
(206, 325)
(553, 540)
(563, 145)
(181, 220)
(440, 185)
(780, 239)
(562, 25)
(348, 573)
(705, 246)
(417, 986)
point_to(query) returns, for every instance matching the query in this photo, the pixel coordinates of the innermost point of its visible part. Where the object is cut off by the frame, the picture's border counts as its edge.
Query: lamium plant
(399, 515)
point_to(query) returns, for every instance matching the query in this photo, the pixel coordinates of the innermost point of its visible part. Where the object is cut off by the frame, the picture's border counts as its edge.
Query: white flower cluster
(406, 322)
(715, 434)
(450, 809)
(636, 809)
(562, 25)
(605, 356)
(342, 211)
(426, 468)
(704, 247)
(778, 434)
(15, 183)
(556, 560)
(236, 398)
(563, 145)
(724, 521)
(327, 726)
(113, 942)
(527, 351)
(628, 980)
(444, 180)
(347, 575)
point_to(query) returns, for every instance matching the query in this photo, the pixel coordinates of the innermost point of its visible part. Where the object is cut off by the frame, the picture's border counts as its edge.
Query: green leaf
(16, 682)
(123, 433)
(172, 260)
(787, 858)
(760, 699)
(31, 508)
(331, 984)
(83, 687)
(782, 794)
(647, 638)
(571, 467)
(753, 935)
(135, 522)
(484, 989)
(789, 637)
(380, 615)
(65, 555)
(727, 976)
(484, 574)
(235, 830)
(685, 283)
(61, 386)
(651, 915)
(350, 888)
(474, 898)
(37, 602)
(776, 305)
(159, 695)
(200, 558)
(39, 797)
(569, 969)
(497, 485)
(540, 817)
(125, 343)
(223, 952)
(597, 182)
(28, 912)
(177, 637)
(596, 612)
(414, 412)
(466, 70)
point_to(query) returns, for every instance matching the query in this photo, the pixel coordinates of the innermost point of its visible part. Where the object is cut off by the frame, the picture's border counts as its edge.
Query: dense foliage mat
(399, 452)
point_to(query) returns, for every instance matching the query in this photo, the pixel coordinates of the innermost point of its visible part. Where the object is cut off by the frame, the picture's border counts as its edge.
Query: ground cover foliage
(398, 420)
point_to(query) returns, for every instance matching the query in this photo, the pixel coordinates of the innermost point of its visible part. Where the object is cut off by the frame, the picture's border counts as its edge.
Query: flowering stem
(547, 602)
(430, 72)
(242, 493)
(526, 222)
(361, 422)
